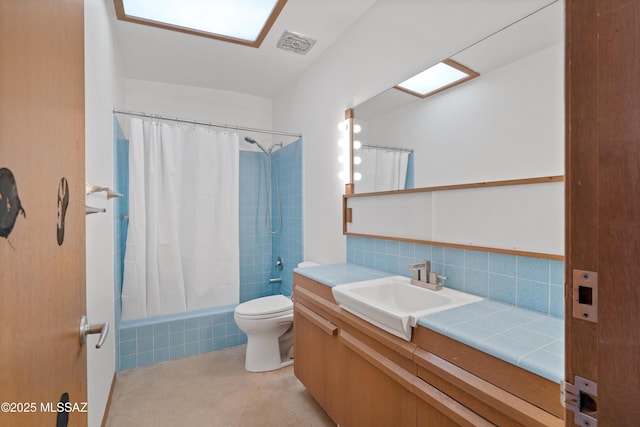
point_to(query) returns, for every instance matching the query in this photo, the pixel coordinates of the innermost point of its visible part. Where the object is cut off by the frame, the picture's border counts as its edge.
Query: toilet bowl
(268, 323)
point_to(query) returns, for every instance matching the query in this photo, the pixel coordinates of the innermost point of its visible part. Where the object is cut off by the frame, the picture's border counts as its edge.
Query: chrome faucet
(423, 276)
(420, 271)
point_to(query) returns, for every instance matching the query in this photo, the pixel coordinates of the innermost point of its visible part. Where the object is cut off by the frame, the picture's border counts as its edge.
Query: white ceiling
(167, 56)
(161, 55)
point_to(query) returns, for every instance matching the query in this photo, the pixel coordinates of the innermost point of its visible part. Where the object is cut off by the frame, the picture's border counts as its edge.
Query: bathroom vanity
(362, 375)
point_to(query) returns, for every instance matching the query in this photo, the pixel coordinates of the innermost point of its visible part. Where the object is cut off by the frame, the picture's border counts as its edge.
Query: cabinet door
(428, 416)
(378, 390)
(319, 360)
(436, 409)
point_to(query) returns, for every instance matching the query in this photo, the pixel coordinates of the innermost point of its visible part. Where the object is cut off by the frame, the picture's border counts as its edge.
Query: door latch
(585, 295)
(581, 398)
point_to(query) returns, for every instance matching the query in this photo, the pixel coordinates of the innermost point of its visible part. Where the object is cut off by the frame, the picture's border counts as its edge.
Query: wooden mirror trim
(347, 215)
(521, 181)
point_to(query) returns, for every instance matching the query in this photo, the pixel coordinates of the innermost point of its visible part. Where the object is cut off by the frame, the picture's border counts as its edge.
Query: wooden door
(42, 220)
(603, 200)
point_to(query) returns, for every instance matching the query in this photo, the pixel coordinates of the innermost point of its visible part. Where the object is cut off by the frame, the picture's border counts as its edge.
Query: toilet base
(267, 354)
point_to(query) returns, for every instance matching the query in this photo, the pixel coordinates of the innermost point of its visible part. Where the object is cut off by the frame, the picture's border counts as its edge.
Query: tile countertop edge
(337, 274)
(530, 340)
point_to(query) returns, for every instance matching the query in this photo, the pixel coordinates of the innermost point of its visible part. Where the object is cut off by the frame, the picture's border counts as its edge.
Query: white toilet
(268, 323)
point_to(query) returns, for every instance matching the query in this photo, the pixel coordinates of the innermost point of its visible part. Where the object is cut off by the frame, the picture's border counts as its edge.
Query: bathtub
(148, 341)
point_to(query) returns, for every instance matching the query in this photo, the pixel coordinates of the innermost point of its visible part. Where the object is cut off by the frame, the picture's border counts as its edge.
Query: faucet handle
(438, 279)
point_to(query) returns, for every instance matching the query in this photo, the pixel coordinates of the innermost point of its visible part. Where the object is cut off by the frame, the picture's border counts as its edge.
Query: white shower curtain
(381, 170)
(182, 249)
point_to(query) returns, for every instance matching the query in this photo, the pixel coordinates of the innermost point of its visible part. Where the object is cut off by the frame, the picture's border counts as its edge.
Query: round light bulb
(342, 175)
(357, 160)
(342, 143)
(357, 128)
(357, 145)
(357, 176)
(344, 125)
(341, 158)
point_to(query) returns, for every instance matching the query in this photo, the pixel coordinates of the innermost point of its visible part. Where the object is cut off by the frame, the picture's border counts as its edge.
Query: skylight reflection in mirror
(437, 78)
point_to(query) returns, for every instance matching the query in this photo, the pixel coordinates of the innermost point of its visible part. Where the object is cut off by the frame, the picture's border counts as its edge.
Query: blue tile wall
(287, 243)
(531, 283)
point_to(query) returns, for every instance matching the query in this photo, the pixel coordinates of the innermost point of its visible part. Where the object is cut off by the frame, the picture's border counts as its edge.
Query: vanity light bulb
(357, 176)
(342, 175)
(344, 125)
(342, 143)
(357, 145)
(357, 128)
(357, 160)
(341, 158)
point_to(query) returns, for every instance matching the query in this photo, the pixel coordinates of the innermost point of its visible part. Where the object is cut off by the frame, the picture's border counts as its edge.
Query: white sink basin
(394, 304)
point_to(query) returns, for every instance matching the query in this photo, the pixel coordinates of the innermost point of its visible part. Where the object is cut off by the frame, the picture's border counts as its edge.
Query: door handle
(98, 328)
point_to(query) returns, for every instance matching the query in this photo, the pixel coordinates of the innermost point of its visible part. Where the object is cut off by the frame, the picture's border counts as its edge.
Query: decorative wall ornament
(63, 202)
(10, 205)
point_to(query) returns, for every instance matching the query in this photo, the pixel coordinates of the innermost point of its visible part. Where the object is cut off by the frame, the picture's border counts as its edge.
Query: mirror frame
(347, 214)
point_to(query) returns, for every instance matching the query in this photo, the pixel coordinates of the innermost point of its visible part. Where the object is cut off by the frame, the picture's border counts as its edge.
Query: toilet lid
(274, 304)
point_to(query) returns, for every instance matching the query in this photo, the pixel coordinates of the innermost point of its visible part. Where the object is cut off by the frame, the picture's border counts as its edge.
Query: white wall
(103, 91)
(403, 209)
(196, 103)
(207, 105)
(393, 40)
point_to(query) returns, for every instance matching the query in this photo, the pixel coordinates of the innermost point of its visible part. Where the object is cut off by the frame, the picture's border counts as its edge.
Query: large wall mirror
(507, 123)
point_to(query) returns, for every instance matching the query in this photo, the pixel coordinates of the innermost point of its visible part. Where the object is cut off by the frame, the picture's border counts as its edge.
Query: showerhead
(253, 141)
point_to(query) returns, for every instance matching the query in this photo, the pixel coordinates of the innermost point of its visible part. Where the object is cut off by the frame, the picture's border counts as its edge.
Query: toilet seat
(265, 308)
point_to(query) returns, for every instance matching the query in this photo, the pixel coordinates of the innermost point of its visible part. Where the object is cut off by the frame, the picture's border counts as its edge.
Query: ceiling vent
(294, 42)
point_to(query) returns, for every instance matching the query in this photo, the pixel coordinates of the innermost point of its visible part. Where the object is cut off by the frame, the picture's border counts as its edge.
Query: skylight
(244, 22)
(441, 76)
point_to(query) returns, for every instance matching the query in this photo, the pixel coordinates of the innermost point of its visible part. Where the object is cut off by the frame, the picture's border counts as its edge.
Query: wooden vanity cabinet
(363, 376)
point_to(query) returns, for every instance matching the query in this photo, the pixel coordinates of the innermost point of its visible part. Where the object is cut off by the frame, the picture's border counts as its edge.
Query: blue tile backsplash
(531, 283)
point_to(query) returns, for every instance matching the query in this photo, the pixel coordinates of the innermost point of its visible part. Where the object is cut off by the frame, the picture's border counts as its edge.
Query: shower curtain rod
(382, 147)
(196, 122)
